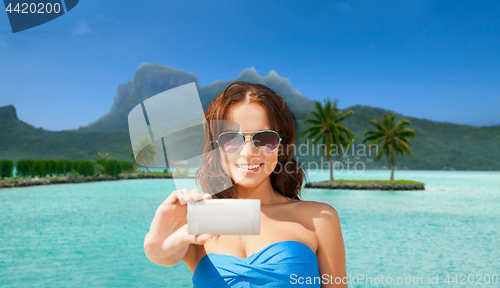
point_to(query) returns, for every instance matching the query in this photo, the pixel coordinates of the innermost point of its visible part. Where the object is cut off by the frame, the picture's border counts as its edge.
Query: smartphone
(224, 217)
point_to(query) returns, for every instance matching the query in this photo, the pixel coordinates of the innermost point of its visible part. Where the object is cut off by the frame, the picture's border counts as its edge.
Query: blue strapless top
(278, 265)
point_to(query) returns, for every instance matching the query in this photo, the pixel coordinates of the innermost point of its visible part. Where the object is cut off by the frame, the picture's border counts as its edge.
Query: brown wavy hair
(281, 119)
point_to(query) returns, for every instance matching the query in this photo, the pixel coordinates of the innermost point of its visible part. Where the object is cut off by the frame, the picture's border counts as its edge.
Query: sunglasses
(231, 142)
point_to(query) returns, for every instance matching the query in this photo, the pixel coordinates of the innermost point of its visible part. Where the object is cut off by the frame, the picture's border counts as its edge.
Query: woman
(300, 242)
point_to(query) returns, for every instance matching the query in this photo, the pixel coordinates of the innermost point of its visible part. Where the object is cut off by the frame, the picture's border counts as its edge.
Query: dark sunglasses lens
(266, 141)
(231, 142)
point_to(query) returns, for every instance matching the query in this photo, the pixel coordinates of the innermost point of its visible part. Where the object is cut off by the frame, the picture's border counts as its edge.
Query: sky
(432, 59)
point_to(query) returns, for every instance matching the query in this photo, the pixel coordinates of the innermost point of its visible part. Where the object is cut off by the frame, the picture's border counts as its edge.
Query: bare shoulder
(318, 210)
(323, 216)
(331, 249)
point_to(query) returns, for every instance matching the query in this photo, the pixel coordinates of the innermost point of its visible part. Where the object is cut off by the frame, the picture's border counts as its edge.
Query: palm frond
(312, 131)
(312, 121)
(404, 146)
(378, 125)
(317, 115)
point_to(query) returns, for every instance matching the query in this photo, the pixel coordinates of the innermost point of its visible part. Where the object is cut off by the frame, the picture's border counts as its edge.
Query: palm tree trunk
(331, 170)
(392, 171)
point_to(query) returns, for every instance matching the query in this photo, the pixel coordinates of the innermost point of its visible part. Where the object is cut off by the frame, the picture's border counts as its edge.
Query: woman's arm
(168, 243)
(331, 250)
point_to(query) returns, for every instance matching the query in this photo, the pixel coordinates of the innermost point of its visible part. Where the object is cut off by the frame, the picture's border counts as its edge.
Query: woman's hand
(167, 241)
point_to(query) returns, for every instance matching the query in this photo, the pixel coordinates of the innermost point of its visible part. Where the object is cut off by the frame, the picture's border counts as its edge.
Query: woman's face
(250, 117)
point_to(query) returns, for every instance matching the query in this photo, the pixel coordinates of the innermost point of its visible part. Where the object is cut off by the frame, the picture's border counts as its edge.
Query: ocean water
(91, 234)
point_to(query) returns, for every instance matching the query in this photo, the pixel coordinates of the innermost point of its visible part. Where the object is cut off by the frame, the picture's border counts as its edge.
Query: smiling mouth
(249, 167)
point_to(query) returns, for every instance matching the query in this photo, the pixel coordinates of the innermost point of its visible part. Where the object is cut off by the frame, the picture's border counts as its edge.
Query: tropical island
(389, 139)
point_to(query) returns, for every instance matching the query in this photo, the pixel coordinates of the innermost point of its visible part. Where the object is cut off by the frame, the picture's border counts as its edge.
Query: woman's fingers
(188, 197)
(196, 194)
(196, 197)
(193, 195)
(172, 198)
(184, 196)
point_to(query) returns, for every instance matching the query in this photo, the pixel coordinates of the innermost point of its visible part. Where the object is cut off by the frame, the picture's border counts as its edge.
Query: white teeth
(248, 167)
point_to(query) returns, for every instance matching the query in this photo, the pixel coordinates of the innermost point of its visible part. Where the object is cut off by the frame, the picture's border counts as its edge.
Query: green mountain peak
(8, 113)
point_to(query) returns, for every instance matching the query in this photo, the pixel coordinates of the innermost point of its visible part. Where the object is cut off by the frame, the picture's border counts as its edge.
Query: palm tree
(145, 154)
(326, 128)
(103, 156)
(391, 137)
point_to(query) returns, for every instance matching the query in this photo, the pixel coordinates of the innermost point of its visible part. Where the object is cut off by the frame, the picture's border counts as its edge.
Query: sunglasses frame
(251, 137)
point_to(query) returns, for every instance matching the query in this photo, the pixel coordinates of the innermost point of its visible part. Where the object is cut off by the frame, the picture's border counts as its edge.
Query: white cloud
(82, 28)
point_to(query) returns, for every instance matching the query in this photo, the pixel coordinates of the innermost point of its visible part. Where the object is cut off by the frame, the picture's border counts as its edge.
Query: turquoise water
(91, 234)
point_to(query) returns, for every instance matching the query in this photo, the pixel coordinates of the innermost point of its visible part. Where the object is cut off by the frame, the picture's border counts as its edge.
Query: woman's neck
(264, 191)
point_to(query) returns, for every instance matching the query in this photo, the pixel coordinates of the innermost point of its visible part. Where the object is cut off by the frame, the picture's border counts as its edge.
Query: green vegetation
(29, 168)
(24, 167)
(112, 167)
(404, 182)
(127, 166)
(86, 168)
(326, 128)
(438, 145)
(99, 169)
(51, 167)
(81, 168)
(61, 167)
(40, 169)
(390, 139)
(6, 169)
(68, 166)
